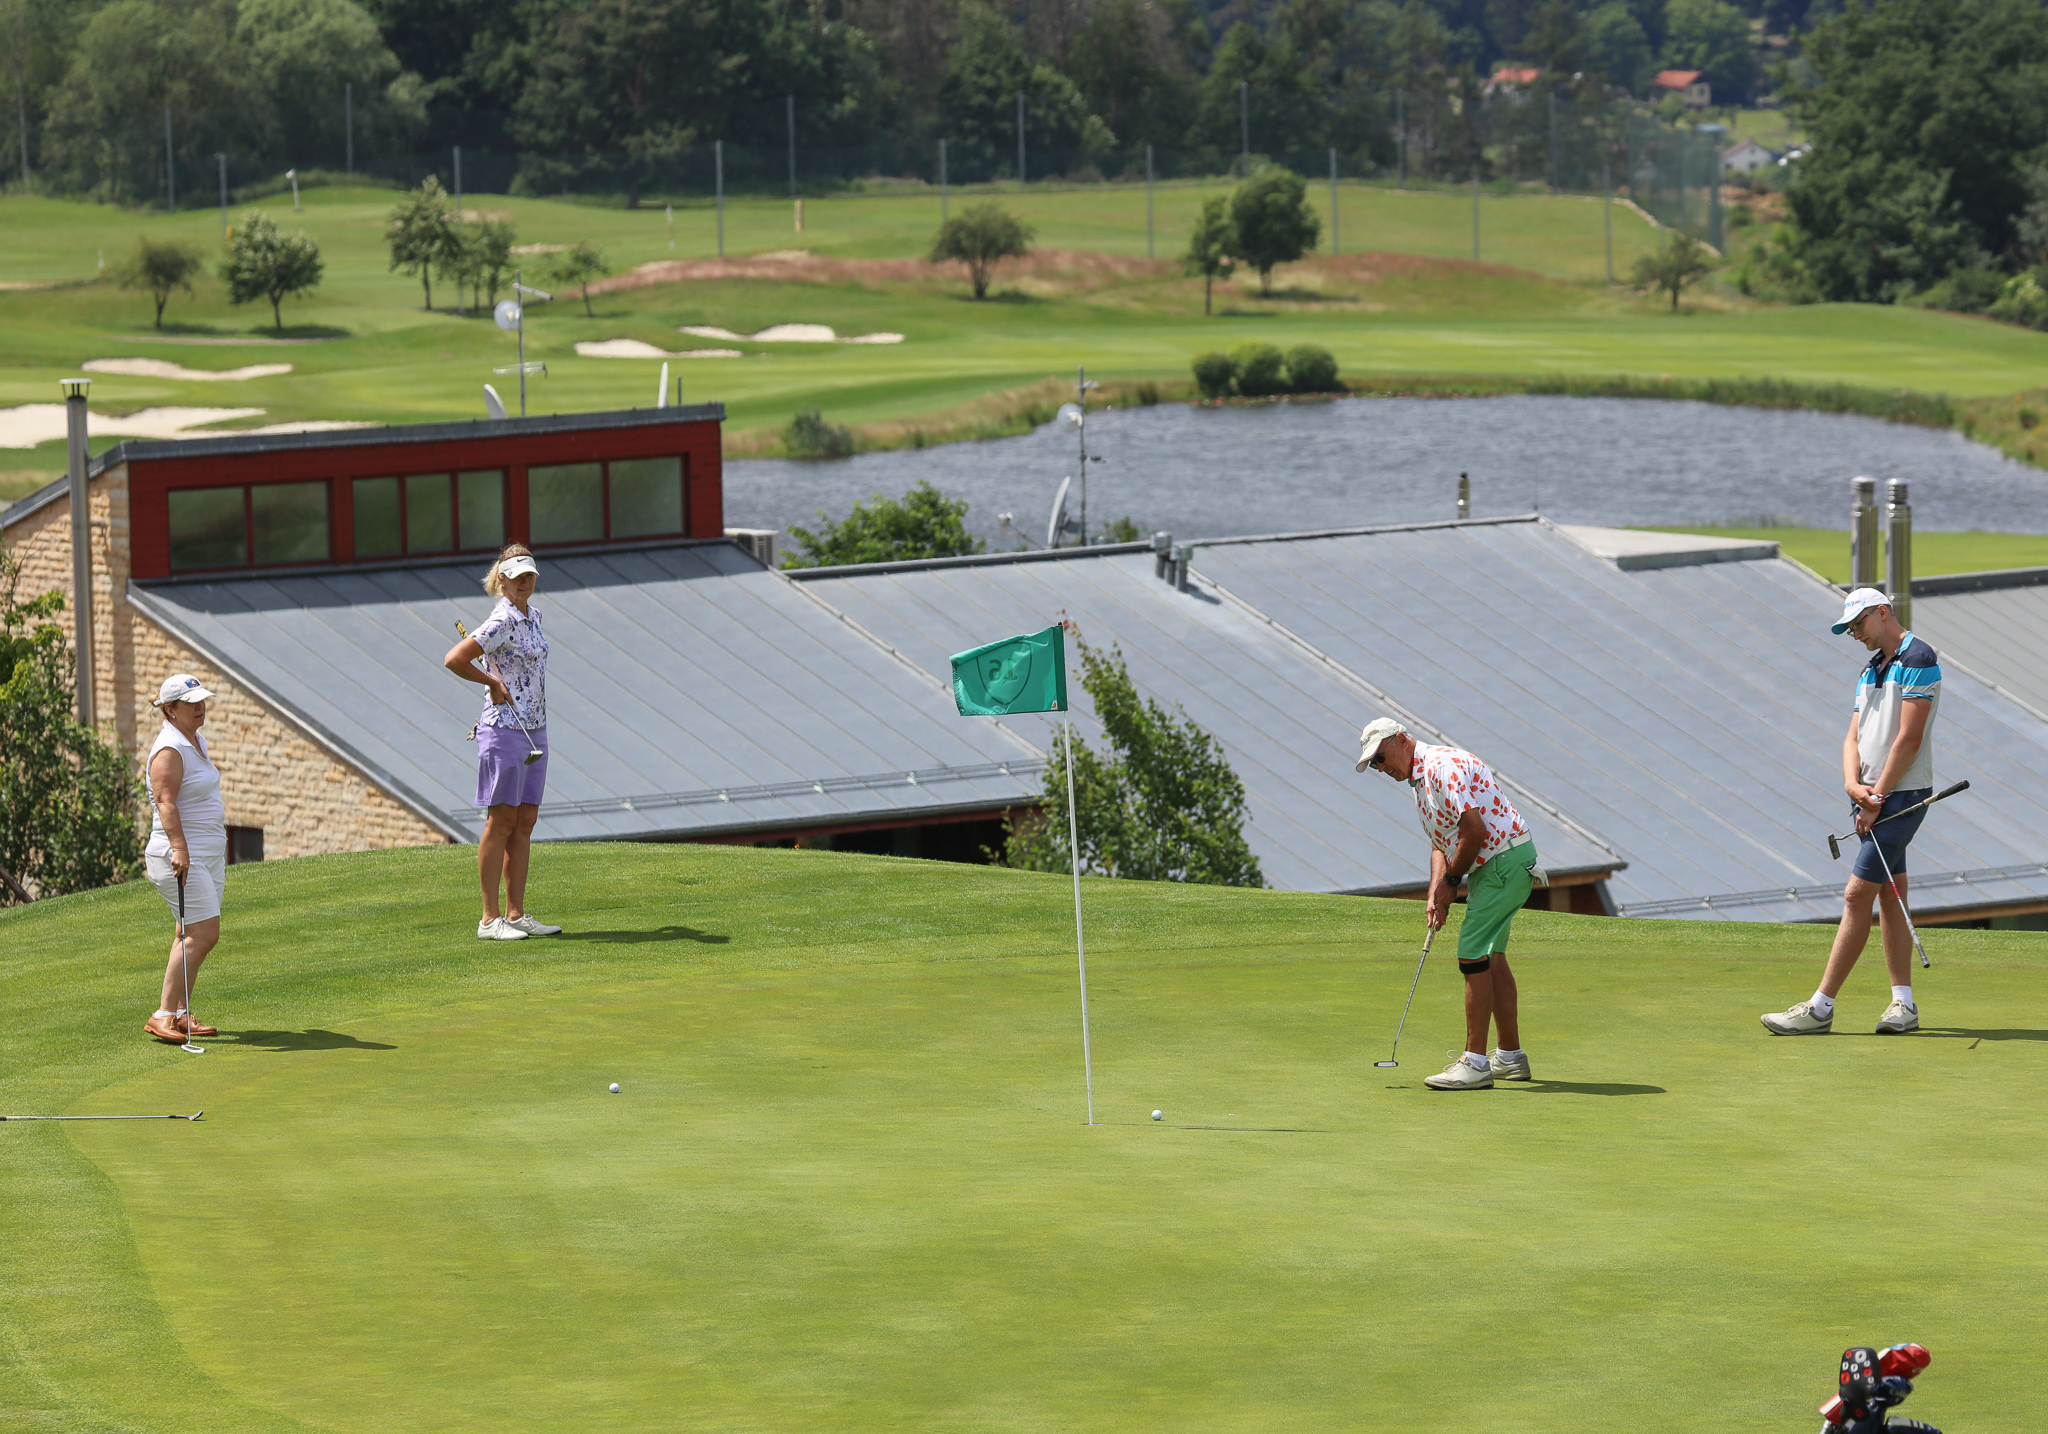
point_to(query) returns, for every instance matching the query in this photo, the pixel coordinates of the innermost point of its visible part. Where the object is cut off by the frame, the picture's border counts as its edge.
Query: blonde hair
(495, 585)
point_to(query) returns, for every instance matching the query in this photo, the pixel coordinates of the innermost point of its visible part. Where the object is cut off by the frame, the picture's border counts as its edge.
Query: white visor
(517, 566)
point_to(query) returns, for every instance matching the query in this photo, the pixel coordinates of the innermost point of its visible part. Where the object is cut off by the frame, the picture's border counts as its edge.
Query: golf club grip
(1942, 795)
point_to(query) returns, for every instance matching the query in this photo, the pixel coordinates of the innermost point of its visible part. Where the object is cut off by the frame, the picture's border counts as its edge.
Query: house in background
(1747, 158)
(1689, 85)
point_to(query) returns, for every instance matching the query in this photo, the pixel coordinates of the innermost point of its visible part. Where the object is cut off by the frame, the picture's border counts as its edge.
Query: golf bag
(1873, 1382)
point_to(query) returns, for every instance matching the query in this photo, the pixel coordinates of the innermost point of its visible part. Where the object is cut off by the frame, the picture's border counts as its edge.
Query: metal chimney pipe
(1464, 496)
(1182, 552)
(1162, 554)
(81, 542)
(1899, 550)
(1863, 534)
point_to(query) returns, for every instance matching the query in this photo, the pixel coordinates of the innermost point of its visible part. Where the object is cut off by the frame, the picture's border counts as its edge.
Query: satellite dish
(1070, 416)
(1058, 522)
(492, 403)
(507, 314)
(661, 394)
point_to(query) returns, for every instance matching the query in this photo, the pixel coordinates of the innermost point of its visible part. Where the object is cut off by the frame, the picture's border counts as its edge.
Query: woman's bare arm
(166, 775)
(461, 660)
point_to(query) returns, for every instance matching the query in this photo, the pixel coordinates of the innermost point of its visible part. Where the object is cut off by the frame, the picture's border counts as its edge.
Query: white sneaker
(1506, 1067)
(498, 930)
(1798, 1021)
(1899, 1018)
(533, 926)
(1459, 1075)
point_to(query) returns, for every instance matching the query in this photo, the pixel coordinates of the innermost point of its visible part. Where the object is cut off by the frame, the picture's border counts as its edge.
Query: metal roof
(691, 691)
(1286, 717)
(1991, 625)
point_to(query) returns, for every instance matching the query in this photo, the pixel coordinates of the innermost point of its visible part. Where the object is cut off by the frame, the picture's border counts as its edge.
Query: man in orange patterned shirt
(1473, 829)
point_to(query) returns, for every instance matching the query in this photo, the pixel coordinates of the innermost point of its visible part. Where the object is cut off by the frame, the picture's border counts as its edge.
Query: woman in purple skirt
(514, 726)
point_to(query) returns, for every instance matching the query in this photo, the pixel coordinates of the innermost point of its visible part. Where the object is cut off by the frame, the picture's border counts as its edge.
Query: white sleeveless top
(200, 810)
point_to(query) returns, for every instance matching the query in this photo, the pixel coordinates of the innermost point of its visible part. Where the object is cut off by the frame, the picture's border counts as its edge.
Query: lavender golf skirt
(502, 777)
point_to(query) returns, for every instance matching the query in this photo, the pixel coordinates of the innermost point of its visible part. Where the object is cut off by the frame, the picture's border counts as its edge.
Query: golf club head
(532, 757)
(195, 1050)
(1834, 847)
(1384, 1065)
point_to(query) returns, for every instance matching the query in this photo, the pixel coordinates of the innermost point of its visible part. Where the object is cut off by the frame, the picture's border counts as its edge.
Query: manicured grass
(1826, 550)
(847, 1185)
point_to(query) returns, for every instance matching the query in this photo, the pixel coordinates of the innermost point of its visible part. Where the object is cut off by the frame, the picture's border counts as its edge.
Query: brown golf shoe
(165, 1029)
(194, 1028)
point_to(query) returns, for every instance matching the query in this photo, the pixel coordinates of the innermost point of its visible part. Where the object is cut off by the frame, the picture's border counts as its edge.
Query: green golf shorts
(1493, 895)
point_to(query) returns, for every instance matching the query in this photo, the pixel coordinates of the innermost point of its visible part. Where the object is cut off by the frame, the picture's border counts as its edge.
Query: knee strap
(1473, 968)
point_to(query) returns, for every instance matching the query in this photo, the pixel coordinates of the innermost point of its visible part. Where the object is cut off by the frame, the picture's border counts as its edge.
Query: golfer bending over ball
(1473, 828)
(188, 847)
(514, 725)
(1887, 766)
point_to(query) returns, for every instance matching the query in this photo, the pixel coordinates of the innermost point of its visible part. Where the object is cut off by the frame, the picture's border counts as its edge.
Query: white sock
(161, 1014)
(1475, 1060)
(1823, 1004)
(1903, 993)
(1513, 1055)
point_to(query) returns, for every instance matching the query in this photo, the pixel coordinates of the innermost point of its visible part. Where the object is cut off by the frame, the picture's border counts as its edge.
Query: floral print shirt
(517, 652)
(1450, 782)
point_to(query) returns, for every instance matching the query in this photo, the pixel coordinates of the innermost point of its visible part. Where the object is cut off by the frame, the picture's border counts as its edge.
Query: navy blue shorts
(1893, 836)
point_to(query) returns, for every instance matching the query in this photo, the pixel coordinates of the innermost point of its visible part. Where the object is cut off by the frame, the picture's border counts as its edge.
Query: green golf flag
(1018, 674)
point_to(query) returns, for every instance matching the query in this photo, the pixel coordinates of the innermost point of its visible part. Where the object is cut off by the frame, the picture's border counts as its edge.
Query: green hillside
(847, 1185)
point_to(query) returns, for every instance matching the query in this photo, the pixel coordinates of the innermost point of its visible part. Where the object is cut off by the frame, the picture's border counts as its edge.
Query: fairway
(847, 1184)
(363, 349)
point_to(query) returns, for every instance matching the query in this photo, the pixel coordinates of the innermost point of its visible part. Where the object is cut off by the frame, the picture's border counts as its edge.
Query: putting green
(847, 1184)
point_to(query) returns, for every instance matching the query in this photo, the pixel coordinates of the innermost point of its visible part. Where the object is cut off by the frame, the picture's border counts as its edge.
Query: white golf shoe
(1461, 1075)
(498, 930)
(1899, 1018)
(533, 926)
(1507, 1067)
(1798, 1021)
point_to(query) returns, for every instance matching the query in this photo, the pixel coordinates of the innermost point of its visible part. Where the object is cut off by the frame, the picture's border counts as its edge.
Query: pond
(1213, 472)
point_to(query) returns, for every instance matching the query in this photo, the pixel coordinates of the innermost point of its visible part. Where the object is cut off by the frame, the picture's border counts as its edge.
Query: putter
(1835, 842)
(194, 1116)
(533, 753)
(185, 966)
(1910, 930)
(1428, 937)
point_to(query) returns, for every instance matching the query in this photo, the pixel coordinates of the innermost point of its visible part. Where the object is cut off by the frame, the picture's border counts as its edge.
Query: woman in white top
(188, 846)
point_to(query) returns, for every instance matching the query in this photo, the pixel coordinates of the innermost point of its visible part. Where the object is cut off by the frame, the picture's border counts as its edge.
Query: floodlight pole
(1080, 943)
(81, 543)
(1081, 398)
(718, 181)
(1148, 201)
(222, 160)
(519, 292)
(170, 166)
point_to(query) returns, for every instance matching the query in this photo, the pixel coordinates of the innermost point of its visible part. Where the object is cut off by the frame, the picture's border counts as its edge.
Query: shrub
(925, 523)
(810, 436)
(981, 236)
(2022, 301)
(1215, 374)
(265, 263)
(1261, 370)
(1311, 369)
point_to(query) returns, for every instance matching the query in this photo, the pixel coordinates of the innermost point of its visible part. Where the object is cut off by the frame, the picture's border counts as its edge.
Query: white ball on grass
(1159, 1115)
(615, 1087)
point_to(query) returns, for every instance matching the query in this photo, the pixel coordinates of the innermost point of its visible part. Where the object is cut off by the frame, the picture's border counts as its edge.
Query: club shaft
(508, 692)
(1395, 1053)
(1907, 811)
(1911, 930)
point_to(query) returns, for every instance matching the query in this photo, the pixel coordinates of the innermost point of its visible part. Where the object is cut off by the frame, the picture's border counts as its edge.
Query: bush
(1973, 289)
(2022, 301)
(924, 524)
(981, 236)
(1215, 374)
(810, 436)
(1261, 370)
(1311, 369)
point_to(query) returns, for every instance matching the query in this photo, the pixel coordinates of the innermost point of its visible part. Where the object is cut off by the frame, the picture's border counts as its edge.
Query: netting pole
(1080, 946)
(1401, 138)
(718, 186)
(1020, 141)
(1553, 139)
(1475, 210)
(1148, 202)
(1607, 210)
(1335, 246)
(942, 181)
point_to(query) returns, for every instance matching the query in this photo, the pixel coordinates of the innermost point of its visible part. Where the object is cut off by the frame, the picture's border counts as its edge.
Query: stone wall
(273, 776)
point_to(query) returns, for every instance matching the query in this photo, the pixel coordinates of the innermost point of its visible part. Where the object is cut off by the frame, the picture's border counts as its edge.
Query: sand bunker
(163, 368)
(634, 349)
(33, 423)
(791, 334)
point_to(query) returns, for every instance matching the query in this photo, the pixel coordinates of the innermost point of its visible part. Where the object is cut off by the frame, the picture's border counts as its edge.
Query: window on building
(244, 844)
(590, 502)
(429, 513)
(262, 523)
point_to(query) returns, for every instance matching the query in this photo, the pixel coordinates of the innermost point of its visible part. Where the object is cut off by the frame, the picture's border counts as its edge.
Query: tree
(986, 69)
(577, 267)
(981, 236)
(1212, 247)
(422, 234)
(68, 799)
(1713, 37)
(1681, 262)
(1274, 222)
(1134, 70)
(299, 52)
(1284, 106)
(161, 268)
(1618, 46)
(924, 524)
(1923, 116)
(482, 252)
(265, 263)
(1162, 804)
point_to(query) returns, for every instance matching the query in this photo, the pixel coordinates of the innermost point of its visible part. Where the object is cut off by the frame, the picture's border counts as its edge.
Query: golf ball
(615, 1087)
(1159, 1115)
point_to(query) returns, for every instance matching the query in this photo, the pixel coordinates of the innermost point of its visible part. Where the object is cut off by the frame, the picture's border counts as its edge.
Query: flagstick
(1080, 946)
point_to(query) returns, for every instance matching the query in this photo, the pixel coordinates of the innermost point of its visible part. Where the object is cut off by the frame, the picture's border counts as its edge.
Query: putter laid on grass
(1428, 937)
(194, 1116)
(533, 753)
(1835, 842)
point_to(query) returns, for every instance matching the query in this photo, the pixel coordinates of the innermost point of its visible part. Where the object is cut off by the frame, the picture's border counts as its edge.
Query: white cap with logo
(181, 687)
(1858, 603)
(1376, 732)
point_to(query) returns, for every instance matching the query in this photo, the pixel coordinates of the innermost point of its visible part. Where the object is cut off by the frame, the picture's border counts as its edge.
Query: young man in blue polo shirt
(1887, 766)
